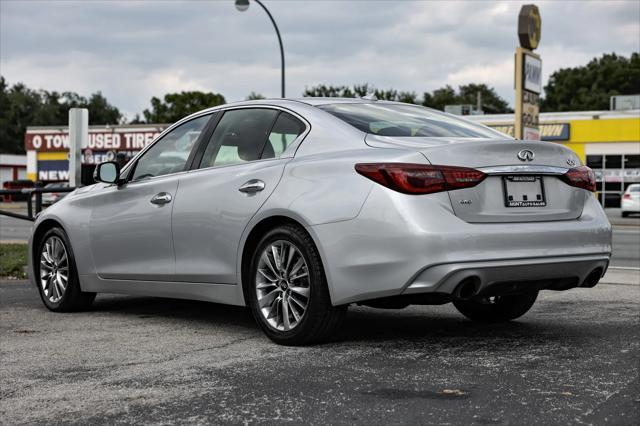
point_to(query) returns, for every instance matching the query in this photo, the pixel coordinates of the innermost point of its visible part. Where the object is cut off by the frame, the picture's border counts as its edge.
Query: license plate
(523, 191)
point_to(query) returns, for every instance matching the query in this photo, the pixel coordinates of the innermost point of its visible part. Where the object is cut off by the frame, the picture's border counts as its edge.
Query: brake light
(581, 177)
(626, 196)
(420, 178)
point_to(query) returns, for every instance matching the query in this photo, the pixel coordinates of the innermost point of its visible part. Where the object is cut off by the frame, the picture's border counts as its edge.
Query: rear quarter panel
(321, 189)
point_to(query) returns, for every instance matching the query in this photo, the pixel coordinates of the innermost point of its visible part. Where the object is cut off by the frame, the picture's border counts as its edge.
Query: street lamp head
(242, 5)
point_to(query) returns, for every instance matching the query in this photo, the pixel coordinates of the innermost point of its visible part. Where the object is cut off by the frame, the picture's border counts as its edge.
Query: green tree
(17, 105)
(360, 90)
(447, 95)
(254, 96)
(175, 106)
(136, 120)
(589, 87)
(100, 111)
(21, 107)
(324, 91)
(440, 97)
(492, 103)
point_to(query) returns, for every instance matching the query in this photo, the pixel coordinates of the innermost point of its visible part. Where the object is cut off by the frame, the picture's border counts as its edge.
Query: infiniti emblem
(526, 155)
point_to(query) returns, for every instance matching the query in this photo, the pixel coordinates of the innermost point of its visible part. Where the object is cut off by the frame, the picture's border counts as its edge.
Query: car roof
(323, 101)
(312, 101)
(279, 102)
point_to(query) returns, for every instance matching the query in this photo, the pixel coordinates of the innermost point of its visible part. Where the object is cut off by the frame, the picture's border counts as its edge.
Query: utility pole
(78, 138)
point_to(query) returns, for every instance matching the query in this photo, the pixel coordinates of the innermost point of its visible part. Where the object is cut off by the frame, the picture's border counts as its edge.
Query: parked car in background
(299, 208)
(17, 184)
(631, 200)
(49, 198)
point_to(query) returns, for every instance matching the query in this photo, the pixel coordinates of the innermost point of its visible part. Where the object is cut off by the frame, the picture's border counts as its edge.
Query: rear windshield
(387, 119)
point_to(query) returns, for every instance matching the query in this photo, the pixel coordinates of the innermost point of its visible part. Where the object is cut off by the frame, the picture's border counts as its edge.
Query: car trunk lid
(523, 182)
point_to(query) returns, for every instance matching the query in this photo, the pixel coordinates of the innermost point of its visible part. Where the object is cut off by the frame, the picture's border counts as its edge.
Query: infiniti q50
(299, 208)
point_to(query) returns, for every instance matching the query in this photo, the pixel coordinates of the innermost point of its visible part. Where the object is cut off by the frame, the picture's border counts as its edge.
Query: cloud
(492, 74)
(132, 51)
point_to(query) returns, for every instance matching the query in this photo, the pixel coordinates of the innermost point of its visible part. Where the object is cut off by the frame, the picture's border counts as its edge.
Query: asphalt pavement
(573, 359)
(14, 230)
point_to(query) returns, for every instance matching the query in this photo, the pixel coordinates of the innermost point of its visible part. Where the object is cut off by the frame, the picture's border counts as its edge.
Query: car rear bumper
(490, 278)
(401, 244)
(630, 205)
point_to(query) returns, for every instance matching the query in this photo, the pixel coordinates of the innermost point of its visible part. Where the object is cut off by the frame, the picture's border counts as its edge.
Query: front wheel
(287, 289)
(497, 308)
(57, 276)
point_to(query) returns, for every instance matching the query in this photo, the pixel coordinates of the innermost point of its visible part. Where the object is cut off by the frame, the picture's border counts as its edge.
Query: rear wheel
(57, 276)
(625, 214)
(287, 289)
(497, 308)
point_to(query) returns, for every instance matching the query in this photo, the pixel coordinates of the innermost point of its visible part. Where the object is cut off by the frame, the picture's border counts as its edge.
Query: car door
(239, 168)
(130, 225)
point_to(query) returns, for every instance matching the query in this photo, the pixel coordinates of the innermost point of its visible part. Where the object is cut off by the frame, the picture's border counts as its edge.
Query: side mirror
(108, 172)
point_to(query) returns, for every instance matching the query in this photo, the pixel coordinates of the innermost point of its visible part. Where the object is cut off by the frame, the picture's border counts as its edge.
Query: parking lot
(572, 359)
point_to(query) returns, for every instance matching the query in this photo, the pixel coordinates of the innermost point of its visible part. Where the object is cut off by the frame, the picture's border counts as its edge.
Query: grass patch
(13, 259)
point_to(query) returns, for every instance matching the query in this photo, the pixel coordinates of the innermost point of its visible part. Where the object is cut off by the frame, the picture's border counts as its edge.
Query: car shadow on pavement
(415, 324)
(191, 310)
(401, 325)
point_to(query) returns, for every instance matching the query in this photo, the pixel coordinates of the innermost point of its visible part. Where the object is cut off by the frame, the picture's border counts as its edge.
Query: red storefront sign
(99, 139)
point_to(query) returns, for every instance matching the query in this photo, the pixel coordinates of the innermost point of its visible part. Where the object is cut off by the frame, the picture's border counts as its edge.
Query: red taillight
(626, 196)
(420, 178)
(580, 177)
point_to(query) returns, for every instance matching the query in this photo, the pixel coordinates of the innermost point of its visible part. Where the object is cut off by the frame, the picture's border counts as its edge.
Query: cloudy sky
(132, 50)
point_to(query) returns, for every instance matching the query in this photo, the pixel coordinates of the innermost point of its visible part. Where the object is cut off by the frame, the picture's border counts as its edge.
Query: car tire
(625, 214)
(54, 261)
(276, 287)
(497, 309)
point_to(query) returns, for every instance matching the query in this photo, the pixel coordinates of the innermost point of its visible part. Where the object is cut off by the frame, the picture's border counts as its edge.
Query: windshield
(387, 119)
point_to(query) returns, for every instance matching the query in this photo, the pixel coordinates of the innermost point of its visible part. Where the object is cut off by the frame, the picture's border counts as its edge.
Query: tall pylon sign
(528, 75)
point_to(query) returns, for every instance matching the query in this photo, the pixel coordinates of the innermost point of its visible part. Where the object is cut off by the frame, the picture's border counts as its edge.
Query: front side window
(170, 154)
(388, 119)
(240, 137)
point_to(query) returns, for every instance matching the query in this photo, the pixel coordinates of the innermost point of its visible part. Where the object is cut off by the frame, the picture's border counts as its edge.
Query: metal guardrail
(30, 207)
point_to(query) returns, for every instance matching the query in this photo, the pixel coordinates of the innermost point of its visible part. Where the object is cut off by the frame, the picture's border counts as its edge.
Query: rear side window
(239, 137)
(286, 130)
(387, 119)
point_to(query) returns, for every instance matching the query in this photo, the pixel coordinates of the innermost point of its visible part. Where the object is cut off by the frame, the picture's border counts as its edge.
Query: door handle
(252, 186)
(161, 198)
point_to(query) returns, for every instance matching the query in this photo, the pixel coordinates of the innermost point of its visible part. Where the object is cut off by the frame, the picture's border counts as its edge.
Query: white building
(12, 167)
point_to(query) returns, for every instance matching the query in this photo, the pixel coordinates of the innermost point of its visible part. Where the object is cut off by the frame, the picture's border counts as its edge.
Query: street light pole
(243, 5)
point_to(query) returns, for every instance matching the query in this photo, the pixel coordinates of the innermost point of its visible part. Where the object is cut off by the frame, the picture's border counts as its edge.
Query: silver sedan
(299, 208)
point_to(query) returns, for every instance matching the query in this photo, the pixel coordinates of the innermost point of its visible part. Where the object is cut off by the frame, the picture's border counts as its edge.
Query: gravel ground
(573, 359)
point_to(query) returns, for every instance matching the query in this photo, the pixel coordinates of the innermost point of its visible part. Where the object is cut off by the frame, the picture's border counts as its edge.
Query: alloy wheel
(54, 269)
(282, 285)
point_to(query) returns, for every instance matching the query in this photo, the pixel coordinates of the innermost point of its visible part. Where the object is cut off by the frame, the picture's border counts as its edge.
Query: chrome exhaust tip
(593, 278)
(467, 288)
